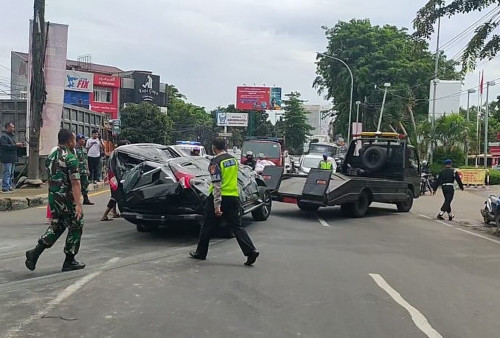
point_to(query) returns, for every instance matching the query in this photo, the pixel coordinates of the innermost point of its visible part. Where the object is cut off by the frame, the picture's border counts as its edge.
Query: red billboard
(253, 98)
(104, 98)
(106, 81)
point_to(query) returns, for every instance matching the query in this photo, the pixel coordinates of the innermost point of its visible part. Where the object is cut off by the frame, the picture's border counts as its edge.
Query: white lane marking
(418, 318)
(322, 221)
(70, 290)
(425, 216)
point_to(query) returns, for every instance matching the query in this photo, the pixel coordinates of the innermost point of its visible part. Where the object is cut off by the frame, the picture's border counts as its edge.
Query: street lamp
(357, 117)
(470, 91)
(352, 88)
(486, 118)
(386, 85)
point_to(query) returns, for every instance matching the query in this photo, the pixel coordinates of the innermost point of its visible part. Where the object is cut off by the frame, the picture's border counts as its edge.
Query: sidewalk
(466, 206)
(27, 198)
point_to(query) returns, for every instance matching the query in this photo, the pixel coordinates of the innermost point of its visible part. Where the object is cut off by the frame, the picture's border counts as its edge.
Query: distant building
(319, 121)
(448, 95)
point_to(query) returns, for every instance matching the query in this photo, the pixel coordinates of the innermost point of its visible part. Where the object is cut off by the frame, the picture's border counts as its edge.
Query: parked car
(312, 161)
(156, 187)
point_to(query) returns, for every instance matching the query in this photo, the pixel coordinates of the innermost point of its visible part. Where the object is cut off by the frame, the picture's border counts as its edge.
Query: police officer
(195, 151)
(250, 160)
(446, 180)
(83, 159)
(64, 202)
(325, 164)
(224, 202)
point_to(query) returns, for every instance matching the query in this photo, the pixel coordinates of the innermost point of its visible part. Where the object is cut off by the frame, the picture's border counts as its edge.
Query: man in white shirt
(94, 148)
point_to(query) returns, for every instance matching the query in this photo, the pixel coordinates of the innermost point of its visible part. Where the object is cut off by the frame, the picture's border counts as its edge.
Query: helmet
(249, 154)
(424, 162)
(195, 151)
(325, 156)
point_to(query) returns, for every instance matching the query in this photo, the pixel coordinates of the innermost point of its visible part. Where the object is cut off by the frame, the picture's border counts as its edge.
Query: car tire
(307, 207)
(374, 158)
(262, 213)
(497, 221)
(360, 207)
(407, 204)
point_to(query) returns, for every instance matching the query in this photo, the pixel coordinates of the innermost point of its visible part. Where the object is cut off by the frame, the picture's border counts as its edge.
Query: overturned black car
(157, 187)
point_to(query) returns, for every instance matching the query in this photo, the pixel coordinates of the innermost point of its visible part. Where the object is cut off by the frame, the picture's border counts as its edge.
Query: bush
(494, 177)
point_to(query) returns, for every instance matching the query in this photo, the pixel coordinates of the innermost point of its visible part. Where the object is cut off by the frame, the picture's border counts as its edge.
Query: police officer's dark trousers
(230, 213)
(448, 192)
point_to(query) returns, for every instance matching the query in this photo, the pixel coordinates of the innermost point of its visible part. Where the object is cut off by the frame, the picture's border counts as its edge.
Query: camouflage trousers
(84, 180)
(61, 221)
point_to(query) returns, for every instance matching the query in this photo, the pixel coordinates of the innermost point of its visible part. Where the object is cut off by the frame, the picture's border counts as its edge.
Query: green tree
(484, 44)
(377, 55)
(145, 123)
(295, 125)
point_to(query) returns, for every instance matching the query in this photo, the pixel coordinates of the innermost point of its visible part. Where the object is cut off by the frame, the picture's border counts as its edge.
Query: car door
(412, 170)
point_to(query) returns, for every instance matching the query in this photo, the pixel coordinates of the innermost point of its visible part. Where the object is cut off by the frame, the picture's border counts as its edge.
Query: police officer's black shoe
(72, 265)
(440, 217)
(252, 258)
(32, 256)
(195, 255)
(451, 217)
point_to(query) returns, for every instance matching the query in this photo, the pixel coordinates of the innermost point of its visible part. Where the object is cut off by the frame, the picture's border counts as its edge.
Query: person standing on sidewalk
(64, 202)
(8, 156)
(94, 146)
(224, 202)
(81, 154)
(446, 180)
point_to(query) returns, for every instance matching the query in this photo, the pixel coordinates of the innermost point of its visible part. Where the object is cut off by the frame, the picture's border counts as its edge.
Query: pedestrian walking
(64, 203)
(446, 180)
(8, 156)
(94, 148)
(81, 154)
(224, 203)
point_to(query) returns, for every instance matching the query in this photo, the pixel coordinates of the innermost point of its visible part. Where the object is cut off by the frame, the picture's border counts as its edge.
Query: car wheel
(407, 204)
(360, 207)
(262, 213)
(497, 221)
(307, 206)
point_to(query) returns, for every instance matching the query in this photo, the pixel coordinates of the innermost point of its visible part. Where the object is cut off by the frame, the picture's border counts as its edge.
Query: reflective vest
(326, 165)
(224, 168)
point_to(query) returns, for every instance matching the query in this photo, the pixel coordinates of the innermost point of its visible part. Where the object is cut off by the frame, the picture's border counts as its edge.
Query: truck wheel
(262, 213)
(307, 207)
(407, 204)
(360, 207)
(374, 158)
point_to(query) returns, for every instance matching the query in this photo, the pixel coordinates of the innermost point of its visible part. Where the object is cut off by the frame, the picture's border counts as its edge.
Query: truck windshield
(269, 149)
(311, 162)
(322, 149)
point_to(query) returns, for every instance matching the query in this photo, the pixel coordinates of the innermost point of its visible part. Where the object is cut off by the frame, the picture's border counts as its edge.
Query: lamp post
(486, 118)
(470, 91)
(352, 89)
(386, 85)
(357, 117)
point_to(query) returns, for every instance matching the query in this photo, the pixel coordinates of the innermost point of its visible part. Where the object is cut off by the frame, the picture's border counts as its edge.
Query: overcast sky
(208, 47)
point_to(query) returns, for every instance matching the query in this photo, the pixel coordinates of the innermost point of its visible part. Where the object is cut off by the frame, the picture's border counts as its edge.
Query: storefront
(105, 95)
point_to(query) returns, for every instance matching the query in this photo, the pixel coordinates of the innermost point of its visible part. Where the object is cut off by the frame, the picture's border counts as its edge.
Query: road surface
(319, 275)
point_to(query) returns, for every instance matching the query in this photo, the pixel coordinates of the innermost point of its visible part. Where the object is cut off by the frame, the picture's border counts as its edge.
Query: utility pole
(386, 85)
(434, 91)
(37, 89)
(470, 91)
(486, 118)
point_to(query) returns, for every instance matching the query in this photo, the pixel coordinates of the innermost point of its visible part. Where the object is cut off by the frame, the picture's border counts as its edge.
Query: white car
(312, 161)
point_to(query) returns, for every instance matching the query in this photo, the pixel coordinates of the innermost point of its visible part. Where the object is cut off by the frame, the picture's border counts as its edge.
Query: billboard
(275, 103)
(448, 95)
(79, 81)
(106, 81)
(232, 119)
(80, 99)
(253, 98)
(147, 88)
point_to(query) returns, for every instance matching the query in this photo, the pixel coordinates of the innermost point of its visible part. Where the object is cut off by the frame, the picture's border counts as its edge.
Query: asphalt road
(386, 275)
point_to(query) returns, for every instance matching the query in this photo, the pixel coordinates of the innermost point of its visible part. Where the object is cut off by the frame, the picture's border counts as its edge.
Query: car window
(322, 148)
(412, 158)
(269, 149)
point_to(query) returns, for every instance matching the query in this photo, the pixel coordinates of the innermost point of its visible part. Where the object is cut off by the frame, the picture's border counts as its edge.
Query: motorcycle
(491, 210)
(426, 180)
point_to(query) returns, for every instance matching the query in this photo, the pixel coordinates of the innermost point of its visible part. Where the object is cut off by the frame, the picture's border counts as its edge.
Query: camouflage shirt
(62, 167)
(83, 158)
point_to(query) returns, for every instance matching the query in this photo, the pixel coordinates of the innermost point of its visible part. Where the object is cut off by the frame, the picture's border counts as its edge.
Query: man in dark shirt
(446, 180)
(8, 156)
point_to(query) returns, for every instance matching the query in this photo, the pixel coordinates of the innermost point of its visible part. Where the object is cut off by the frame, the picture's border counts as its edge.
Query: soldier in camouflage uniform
(81, 154)
(64, 203)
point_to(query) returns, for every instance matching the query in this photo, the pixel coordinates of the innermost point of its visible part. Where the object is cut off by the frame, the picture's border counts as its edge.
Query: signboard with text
(232, 119)
(147, 88)
(275, 98)
(106, 81)
(79, 81)
(253, 98)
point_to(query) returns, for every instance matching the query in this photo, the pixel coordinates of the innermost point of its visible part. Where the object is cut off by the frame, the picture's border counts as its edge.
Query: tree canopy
(145, 123)
(378, 55)
(484, 44)
(294, 124)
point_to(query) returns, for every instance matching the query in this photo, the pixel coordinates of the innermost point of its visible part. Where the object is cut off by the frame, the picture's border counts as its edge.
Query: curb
(20, 203)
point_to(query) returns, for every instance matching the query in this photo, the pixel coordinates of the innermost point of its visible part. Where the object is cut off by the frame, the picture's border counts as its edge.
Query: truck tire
(307, 206)
(407, 204)
(360, 207)
(262, 213)
(374, 158)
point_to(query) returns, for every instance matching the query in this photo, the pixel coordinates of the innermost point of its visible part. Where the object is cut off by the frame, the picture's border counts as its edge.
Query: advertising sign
(79, 99)
(147, 88)
(79, 81)
(253, 98)
(473, 176)
(106, 80)
(275, 98)
(232, 119)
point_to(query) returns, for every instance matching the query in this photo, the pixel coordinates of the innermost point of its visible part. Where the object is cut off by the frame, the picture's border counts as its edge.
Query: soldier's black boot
(86, 200)
(32, 256)
(71, 264)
